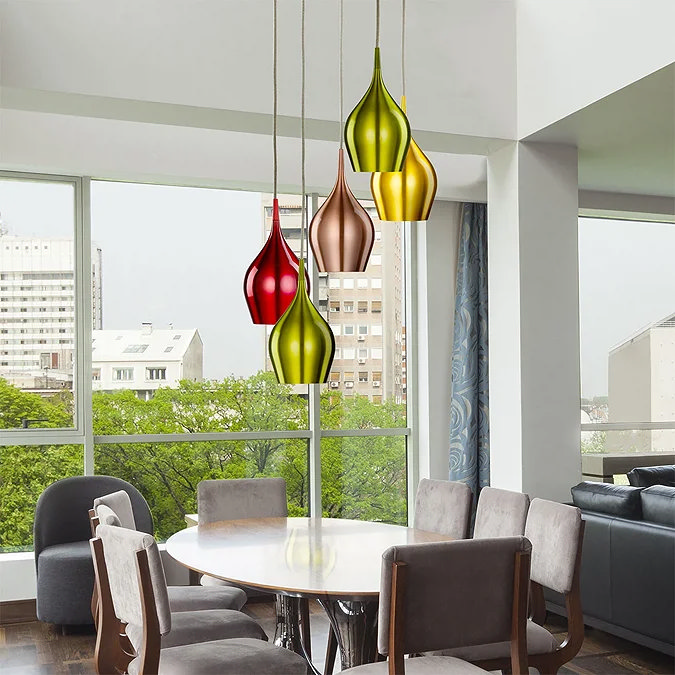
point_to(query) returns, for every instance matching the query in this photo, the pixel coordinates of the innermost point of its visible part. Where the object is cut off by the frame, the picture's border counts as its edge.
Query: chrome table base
(355, 625)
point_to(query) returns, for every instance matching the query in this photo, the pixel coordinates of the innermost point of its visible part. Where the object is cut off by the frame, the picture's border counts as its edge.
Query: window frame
(82, 431)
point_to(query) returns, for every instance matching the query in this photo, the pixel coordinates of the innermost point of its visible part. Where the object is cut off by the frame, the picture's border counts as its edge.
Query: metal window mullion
(627, 426)
(83, 320)
(314, 398)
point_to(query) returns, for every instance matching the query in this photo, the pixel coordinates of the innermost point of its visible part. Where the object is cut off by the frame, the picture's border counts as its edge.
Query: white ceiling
(626, 141)
(181, 91)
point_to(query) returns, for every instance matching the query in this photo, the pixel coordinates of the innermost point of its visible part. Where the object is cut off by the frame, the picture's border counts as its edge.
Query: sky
(178, 256)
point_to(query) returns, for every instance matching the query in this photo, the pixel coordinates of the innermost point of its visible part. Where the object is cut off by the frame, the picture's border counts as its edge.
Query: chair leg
(331, 652)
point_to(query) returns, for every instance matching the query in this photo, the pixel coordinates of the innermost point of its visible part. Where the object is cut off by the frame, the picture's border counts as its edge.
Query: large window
(38, 299)
(627, 332)
(175, 383)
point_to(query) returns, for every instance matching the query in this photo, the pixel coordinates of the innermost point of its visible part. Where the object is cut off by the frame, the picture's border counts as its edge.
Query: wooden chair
(189, 626)
(450, 594)
(556, 532)
(133, 591)
(500, 513)
(117, 509)
(440, 506)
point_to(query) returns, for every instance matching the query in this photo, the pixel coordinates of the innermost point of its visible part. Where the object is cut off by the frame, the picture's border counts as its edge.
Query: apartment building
(641, 376)
(37, 310)
(145, 359)
(365, 310)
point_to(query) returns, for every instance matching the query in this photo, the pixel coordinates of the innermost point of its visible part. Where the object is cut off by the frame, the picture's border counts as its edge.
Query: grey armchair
(61, 531)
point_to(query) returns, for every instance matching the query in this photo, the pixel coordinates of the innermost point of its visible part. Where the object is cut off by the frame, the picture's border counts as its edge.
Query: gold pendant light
(408, 195)
(301, 343)
(341, 233)
(377, 133)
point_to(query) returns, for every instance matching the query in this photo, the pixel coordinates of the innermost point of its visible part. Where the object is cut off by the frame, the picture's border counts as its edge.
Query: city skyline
(155, 238)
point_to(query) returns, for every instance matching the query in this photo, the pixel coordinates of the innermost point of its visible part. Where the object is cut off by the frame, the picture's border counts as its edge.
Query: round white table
(337, 562)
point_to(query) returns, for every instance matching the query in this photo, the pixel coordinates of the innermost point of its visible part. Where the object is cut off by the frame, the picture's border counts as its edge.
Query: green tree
(26, 470)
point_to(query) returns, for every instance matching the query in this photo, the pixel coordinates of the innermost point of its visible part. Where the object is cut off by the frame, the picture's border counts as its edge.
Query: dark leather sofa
(628, 560)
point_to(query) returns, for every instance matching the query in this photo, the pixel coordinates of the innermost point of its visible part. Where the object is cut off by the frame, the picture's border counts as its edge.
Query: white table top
(309, 557)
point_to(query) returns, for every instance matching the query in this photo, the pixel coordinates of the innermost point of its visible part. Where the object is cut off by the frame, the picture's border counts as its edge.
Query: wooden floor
(36, 648)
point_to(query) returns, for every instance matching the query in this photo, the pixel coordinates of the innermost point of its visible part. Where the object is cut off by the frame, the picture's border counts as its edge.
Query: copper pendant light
(408, 195)
(271, 279)
(301, 343)
(377, 132)
(341, 232)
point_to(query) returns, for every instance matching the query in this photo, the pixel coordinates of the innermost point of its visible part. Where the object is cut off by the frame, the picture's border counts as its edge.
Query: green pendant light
(301, 343)
(377, 132)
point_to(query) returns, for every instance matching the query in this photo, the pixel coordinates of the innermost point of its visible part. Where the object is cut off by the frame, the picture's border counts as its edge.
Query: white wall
(574, 52)
(533, 290)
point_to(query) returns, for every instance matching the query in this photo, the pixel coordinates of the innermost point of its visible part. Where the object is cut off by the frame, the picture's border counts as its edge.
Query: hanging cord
(275, 89)
(377, 23)
(341, 74)
(303, 212)
(403, 46)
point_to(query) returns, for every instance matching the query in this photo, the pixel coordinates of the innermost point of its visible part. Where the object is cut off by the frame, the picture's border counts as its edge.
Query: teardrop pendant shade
(407, 195)
(377, 132)
(341, 233)
(271, 280)
(301, 343)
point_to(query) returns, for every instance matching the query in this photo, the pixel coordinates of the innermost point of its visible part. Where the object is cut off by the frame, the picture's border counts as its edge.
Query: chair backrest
(500, 513)
(555, 531)
(62, 510)
(453, 594)
(443, 506)
(120, 503)
(137, 585)
(233, 499)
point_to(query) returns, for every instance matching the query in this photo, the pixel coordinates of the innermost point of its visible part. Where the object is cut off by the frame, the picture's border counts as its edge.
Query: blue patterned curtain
(469, 432)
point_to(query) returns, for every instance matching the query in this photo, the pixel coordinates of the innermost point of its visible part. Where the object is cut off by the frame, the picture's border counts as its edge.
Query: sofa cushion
(622, 501)
(646, 476)
(658, 504)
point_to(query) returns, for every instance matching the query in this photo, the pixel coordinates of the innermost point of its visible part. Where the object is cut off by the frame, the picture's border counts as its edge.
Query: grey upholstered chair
(61, 532)
(233, 499)
(443, 506)
(450, 594)
(138, 597)
(556, 532)
(115, 509)
(500, 513)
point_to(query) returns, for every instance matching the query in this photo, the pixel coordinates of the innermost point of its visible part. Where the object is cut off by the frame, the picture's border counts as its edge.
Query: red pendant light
(271, 281)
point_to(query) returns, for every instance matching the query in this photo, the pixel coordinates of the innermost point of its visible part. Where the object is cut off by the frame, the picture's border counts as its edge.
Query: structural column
(534, 319)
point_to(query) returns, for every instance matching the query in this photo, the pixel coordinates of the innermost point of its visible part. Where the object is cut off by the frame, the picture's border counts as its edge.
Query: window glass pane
(377, 333)
(175, 321)
(627, 324)
(632, 441)
(167, 474)
(25, 471)
(37, 292)
(365, 478)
